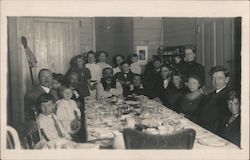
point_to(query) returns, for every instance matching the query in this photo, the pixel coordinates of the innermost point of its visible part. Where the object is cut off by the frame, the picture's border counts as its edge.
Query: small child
(134, 66)
(68, 112)
(48, 122)
(136, 88)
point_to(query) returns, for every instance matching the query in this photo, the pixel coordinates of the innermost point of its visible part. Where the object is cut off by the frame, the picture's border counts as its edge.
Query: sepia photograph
(122, 83)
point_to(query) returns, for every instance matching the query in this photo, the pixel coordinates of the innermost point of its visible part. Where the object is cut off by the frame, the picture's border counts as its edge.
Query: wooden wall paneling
(179, 31)
(147, 32)
(114, 35)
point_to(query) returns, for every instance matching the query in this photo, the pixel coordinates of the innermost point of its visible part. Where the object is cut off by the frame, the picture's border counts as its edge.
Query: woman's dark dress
(189, 106)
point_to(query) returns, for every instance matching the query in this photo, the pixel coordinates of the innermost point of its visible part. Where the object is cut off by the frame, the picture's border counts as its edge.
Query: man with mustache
(45, 86)
(108, 86)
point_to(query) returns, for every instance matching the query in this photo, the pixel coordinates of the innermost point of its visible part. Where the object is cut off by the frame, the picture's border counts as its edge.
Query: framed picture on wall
(142, 52)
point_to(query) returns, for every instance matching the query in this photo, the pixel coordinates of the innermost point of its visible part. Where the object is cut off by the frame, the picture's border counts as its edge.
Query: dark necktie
(57, 127)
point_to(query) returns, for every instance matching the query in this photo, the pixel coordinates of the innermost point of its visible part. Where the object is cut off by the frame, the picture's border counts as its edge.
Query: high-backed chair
(13, 141)
(29, 134)
(135, 139)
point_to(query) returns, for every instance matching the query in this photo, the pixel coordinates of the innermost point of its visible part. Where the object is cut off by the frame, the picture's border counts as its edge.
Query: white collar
(46, 89)
(236, 115)
(158, 70)
(218, 90)
(43, 115)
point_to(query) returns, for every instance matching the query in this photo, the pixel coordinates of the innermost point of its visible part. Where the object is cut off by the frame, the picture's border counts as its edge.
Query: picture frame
(142, 52)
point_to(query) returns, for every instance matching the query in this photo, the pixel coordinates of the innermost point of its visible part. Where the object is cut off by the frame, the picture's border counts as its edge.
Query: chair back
(135, 139)
(29, 134)
(13, 141)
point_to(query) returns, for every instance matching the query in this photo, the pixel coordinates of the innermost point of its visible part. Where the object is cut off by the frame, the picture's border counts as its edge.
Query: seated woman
(102, 58)
(232, 128)
(117, 60)
(176, 92)
(189, 102)
(95, 69)
(136, 88)
(135, 66)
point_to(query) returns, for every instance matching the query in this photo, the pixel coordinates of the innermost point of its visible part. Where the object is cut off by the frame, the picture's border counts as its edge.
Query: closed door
(55, 44)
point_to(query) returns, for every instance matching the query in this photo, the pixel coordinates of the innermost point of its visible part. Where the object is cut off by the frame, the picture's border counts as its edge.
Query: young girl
(95, 69)
(78, 65)
(68, 112)
(134, 66)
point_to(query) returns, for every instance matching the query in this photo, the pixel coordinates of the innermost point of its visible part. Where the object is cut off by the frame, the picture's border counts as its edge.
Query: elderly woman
(232, 127)
(189, 103)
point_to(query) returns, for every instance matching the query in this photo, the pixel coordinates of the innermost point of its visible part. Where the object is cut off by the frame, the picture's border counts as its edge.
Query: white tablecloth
(102, 120)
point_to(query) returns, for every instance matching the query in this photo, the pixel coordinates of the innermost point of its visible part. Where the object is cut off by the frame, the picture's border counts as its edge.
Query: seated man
(213, 108)
(136, 88)
(124, 77)
(108, 86)
(45, 86)
(164, 85)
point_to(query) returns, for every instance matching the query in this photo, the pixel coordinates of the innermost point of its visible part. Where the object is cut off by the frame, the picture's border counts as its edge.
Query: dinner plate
(212, 142)
(132, 102)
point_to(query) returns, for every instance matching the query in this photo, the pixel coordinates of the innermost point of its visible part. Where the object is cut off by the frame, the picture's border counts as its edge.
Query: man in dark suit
(152, 77)
(189, 66)
(213, 109)
(164, 85)
(125, 77)
(45, 86)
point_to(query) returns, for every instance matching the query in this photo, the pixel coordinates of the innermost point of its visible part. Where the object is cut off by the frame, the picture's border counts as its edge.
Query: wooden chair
(13, 141)
(135, 139)
(29, 134)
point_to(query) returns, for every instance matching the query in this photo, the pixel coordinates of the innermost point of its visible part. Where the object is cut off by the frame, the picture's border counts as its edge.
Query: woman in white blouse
(95, 69)
(102, 58)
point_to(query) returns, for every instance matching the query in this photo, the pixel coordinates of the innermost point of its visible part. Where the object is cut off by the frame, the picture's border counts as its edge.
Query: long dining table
(106, 117)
